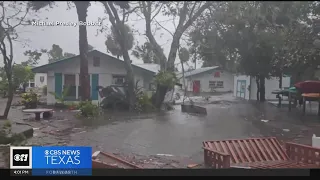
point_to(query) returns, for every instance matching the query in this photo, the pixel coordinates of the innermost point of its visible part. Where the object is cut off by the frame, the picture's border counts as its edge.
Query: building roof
(151, 67)
(200, 70)
(44, 68)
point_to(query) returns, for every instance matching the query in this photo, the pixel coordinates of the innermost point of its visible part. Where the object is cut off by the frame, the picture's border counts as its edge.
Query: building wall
(106, 69)
(37, 81)
(205, 77)
(270, 85)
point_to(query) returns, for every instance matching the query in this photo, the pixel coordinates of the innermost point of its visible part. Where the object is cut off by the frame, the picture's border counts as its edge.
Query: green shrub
(143, 103)
(72, 105)
(30, 99)
(87, 109)
(164, 78)
(61, 98)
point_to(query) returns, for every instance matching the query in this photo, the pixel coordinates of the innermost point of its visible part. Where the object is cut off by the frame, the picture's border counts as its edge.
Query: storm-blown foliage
(113, 40)
(145, 53)
(257, 38)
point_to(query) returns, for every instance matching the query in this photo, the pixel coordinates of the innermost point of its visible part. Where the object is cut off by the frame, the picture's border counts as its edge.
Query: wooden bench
(47, 113)
(259, 153)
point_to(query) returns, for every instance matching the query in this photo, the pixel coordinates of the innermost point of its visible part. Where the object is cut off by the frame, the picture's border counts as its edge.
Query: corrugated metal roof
(200, 70)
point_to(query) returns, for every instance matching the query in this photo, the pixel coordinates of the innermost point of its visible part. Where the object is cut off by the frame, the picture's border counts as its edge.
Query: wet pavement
(174, 138)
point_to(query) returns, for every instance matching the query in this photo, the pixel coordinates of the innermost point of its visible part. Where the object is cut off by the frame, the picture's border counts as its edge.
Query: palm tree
(81, 7)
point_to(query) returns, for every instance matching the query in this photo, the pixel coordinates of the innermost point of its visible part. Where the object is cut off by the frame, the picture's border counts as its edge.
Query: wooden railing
(216, 160)
(303, 153)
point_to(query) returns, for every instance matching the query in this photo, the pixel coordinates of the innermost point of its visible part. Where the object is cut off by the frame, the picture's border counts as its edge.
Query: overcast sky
(67, 37)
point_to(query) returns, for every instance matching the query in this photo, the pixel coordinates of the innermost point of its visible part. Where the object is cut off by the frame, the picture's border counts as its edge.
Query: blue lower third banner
(61, 160)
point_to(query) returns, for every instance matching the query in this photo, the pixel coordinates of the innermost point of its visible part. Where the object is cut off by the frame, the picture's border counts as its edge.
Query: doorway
(196, 86)
(241, 89)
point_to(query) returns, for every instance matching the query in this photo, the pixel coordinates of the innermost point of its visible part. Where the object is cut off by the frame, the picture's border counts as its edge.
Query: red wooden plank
(256, 150)
(224, 148)
(211, 146)
(232, 152)
(216, 144)
(280, 150)
(265, 157)
(250, 150)
(227, 151)
(273, 149)
(267, 149)
(238, 151)
(244, 151)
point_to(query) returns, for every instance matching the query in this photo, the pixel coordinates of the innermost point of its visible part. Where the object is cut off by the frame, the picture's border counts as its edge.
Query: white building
(209, 79)
(246, 87)
(104, 70)
(39, 81)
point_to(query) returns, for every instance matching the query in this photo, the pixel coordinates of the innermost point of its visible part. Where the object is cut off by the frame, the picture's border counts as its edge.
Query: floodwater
(173, 133)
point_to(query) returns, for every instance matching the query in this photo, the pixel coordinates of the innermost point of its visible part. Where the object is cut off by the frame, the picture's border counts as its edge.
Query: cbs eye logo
(20, 157)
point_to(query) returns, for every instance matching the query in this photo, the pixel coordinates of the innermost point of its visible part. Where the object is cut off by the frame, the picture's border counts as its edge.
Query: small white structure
(104, 70)
(209, 79)
(315, 141)
(246, 87)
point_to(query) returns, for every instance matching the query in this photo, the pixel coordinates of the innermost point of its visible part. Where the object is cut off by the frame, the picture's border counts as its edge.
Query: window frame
(118, 76)
(73, 86)
(96, 61)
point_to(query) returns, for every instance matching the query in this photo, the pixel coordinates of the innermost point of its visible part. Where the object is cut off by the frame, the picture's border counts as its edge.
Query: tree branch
(194, 6)
(11, 49)
(196, 15)
(164, 28)
(146, 10)
(157, 12)
(131, 11)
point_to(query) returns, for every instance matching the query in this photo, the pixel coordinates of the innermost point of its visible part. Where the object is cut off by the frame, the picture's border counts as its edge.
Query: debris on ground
(286, 130)
(263, 120)
(193, 165)
(168, 155)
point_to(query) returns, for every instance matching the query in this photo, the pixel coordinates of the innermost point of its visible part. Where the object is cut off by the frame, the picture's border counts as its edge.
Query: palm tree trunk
(82, 7)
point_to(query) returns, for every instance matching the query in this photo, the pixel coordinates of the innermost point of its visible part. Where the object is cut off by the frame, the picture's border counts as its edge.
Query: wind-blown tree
(12, 15)
(21, 75)
(145, 53)
(115, 10)
(187, 12)
(113, 40)
(184, 57)
(254, 35)
(33, 58)
(56, 53)
(81, 7)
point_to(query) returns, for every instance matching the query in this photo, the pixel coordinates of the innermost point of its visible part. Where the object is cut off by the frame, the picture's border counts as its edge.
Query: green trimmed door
(241, 89)
(94, 86)
(58, 84)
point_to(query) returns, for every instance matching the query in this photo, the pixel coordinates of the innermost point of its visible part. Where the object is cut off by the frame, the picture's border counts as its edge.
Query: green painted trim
(245, 84)
(94, 84)
(58, 84)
